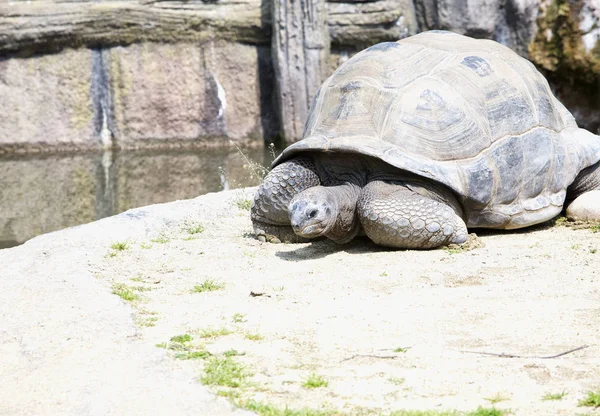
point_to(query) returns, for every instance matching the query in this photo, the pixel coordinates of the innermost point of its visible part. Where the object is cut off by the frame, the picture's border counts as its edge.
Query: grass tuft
(125, 292)
(181, 338)
(397, 380)
(193, 355)
(315, 381)
(214, 333)
(161, 239)
(233, 353)
(195, 229)
(486, 411)
(120, 246)
(591, 400)
(554, 396)
(224, 372)
(207, 286)
(149, 321)
(267, 410)
(238, 318)
(253, 336)
(497, 398)
(244, 204)
(425, 413)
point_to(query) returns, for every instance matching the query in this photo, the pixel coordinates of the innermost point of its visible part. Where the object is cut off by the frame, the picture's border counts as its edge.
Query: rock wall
(129, 74)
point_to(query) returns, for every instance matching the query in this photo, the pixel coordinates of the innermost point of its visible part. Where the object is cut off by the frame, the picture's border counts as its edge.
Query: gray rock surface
(70, 347)
(156, 67)
(47, 101)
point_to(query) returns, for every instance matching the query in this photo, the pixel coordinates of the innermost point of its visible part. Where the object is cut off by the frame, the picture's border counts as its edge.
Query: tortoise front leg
(270, 216)
(393, 215)
(585, 195)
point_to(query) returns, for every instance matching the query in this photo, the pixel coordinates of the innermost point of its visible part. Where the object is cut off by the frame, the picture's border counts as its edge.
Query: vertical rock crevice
(300, 50)
(104, 123)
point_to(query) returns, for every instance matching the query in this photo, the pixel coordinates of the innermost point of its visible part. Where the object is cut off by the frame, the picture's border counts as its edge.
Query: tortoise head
(313, 212)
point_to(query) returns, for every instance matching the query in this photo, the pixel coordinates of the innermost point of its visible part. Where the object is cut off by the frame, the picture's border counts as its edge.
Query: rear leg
(584, 195)
(394, 215)
(269, 213)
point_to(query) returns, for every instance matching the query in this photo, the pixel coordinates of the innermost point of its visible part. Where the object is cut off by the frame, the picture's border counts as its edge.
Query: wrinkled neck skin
(346, 225)
(330, 210)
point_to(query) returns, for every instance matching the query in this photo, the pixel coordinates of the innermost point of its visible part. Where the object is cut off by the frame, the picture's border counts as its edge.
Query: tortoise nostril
(312, 213)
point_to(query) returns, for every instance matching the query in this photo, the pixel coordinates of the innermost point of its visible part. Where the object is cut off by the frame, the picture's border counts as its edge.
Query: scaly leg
(393, 215)
(585, 195)
(270, 216)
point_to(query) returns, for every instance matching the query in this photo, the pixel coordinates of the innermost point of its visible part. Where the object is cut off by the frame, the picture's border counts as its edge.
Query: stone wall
(135, 74)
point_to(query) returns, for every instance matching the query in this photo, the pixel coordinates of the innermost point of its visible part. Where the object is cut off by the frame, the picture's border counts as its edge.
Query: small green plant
(554, 396)
(120, 246)
(230, 394)
(269, 410)
(124, 292)
(233, 353)
(141, 288)
(149, 321)
(486, 411)
(425, 413)
(396, 380)
(193, 355)
(181, 338)
(315, 381)
(575, 246)
(497, 398)
(195, 229)
(138, 278)
(224, 372)
(453, 250)
(207, 286)
(561, 221)
(161, 239)
(253, 336)
(244, 204)
(595, 228)
(591, 400)
(383, 274)
(161, 345)
(145, 245)
(238, 318)
(214, 333)
(402, 349)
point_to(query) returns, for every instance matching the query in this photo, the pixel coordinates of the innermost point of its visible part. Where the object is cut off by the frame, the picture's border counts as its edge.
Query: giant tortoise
(413, 141)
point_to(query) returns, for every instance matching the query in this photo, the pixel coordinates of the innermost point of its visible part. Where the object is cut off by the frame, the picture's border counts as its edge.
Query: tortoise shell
(470, 114)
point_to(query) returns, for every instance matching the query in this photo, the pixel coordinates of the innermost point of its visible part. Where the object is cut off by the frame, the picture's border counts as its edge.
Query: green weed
(315, 381)
(591, 400)
(181, 338)
(214, 333)
(224, 372)
(207, 286)
(125, 292)
(238, 318)
(554, 396)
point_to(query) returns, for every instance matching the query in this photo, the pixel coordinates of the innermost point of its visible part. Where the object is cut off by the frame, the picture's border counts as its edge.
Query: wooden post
(300, 50)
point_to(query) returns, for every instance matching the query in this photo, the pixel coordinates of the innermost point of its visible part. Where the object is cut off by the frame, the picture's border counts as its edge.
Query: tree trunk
(300, 54)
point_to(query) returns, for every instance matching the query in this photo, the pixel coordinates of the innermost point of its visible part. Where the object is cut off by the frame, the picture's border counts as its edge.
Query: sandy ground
(386, 330)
